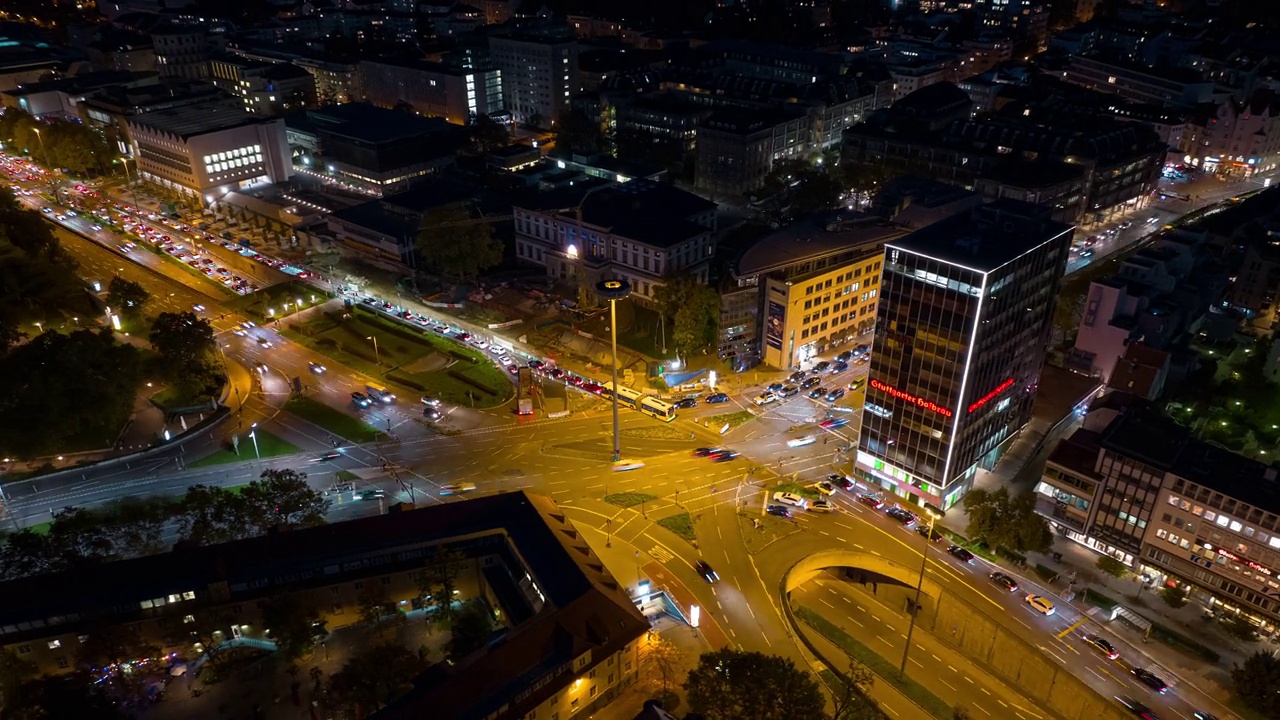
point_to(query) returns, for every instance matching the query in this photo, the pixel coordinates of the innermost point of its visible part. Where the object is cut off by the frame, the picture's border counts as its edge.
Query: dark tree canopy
(1009, 523)
(737, 685)
(456, 246)
(1256, 682)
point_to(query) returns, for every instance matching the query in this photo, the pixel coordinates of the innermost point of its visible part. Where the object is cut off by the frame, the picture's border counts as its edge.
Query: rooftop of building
(133, 99)
(1042, 173)
(1078, 452)
(741, 121)
(814, 238)
(987, 237)
(365, 123)
(199, 119)
(84, 82)
(654, 213)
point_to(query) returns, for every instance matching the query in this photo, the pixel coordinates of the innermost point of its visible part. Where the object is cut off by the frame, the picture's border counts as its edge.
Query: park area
(406, 356)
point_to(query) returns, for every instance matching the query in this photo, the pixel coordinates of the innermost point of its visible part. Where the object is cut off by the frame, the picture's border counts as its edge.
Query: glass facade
(957, 354)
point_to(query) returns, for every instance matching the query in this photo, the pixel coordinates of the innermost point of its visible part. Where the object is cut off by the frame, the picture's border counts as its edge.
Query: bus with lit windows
(649, 405)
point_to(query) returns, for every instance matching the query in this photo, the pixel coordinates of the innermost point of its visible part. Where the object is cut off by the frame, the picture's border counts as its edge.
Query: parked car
(905, 517)
(715, 398)
(788, 391)
(960, 554)
(840, 481)
(765, 398)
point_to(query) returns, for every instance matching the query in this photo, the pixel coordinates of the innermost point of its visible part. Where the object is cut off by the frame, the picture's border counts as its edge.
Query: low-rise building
(434, 89)
(816, 284)
(265, 88)
(1164, 86)
(640, 231)
(384, 232)
(567, 637)
(1235, 139)
(208, 150)
(736, 149)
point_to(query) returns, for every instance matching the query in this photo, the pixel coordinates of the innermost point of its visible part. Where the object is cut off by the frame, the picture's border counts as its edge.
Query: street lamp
(42, 150)
(915, 606)
(253, 435)
(613, 291)
(377, 359)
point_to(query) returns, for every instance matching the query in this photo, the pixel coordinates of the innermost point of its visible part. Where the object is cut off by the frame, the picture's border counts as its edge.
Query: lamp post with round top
(613, 291)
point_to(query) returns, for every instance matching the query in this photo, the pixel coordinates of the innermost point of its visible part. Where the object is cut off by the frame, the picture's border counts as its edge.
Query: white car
(793, 500)
(801, 441)
(457, 489)
(1040, 605)
(765, 398)
(478, 343)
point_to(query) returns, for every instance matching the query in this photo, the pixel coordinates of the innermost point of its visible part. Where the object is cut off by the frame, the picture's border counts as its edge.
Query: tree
(126, 297)
(456, 246)
(14, 673)
(112, 644)
(185, 344)
(1112, 566)
(533, 121)
(851, 701)
(1173, 597)
(1256, 681)
(282, 498)
(578, 134)
(1241, 628)
(661, 657)
(1009, 523)
(373, 677)
(210, 516)
(738, 685)
(373, 601)
(488, 134)
(291, 625)
(694, 310)
(470, 631)
(438, 580)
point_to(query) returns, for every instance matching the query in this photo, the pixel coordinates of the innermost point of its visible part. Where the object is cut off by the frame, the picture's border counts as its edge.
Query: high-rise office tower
(966, 307)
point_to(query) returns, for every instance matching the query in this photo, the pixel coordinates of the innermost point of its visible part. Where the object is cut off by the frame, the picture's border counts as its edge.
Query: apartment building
(456, 94)
(265, 88)
(1235, 139)
(1167, 87)
(816, 285)
(737, 148)
(539, 67)
(640, 231)
(522, 559)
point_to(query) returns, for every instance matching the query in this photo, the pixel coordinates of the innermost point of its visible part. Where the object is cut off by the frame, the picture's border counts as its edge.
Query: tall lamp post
(377, 359)
(915, 608)
(613, 291)
(43, 152)
(253, 435)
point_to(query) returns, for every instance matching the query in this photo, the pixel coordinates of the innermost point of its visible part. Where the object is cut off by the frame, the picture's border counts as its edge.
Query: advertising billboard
(773, 325)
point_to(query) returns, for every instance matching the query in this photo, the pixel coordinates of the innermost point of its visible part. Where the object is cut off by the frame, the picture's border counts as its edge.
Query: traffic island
(331, 420)
(759, 532)
(681, 525)
(268, 445)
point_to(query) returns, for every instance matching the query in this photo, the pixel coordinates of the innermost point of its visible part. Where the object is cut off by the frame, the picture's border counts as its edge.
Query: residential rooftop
(813, 239)
(192, 120)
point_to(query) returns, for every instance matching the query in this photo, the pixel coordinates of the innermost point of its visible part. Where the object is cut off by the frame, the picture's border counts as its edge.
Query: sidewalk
(689, 646)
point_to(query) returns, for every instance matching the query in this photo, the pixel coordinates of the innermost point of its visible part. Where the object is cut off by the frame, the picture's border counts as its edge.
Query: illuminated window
(55, 644)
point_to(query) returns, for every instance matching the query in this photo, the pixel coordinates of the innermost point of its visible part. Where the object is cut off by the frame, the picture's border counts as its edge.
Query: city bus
(651, 406)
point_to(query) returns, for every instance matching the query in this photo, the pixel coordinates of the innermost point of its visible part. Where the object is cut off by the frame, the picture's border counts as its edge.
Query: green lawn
(332, 420)
(884, 670)
(629, 499)
(681, 524)
(417, 359)
(797, 489)
(734, 419)
(268, 446)
(273, 298)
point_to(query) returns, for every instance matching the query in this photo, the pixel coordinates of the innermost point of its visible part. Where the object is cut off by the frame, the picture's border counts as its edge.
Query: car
(765, 398)
(457, 488)
(1200, 715)
(1039, 604)
(431, 414)
(929, 533)
(817, 392)
(906, 517)
(861, 350)
(71, 213)
(788, 391)
(96, 227)
(715, 398)
(1150, 679)
(329, 456)
(316, 368)
(821, 506)
(724, 456)
(855, 383)
(796, 376)
(1137, 709)
(685, 403)
(801, 441)
(871, 501)
(791, 499)
(809, 382)
(844, 356)
(262, 368)
(497, 350)
(360, 400)
(778, 511)
(834, 423)
(46, 211)
(834, 395)
(1002, 581)
(264, 342)
(839, 367)
(237, 332)
(593, 387)
(536, 364)
(513, 368)
(373, 494)
(706, 571)
(822, 366)
(840, 481)
(625, 465)
(575, 380)
(960, 554)
(1098, 643)
(558, 373)
(824, 487)
(705, 451)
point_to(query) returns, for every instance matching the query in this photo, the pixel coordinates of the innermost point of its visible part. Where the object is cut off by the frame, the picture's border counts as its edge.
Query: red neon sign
(908, 397)
(991, 395)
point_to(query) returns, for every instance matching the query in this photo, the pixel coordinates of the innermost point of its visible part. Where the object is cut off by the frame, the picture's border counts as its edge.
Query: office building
(265, 88)
(208, 150)
(640, 231)
(1168, 86)
(182, 51)
(456, 94)
(816, 284)
(539, 66)
(736, 149)
(962, 322)
(566, 639)
(1181, 511)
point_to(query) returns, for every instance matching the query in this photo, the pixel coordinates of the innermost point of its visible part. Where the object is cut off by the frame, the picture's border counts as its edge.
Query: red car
(871, 501)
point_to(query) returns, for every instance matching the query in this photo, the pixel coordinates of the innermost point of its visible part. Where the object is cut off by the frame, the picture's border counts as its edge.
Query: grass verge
(268, 446)
(759, 533)
(681, 524)
(796, 488)
(1046, 574)
(629, 499)
(733, 419)
(331, 420)
(884, 670)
